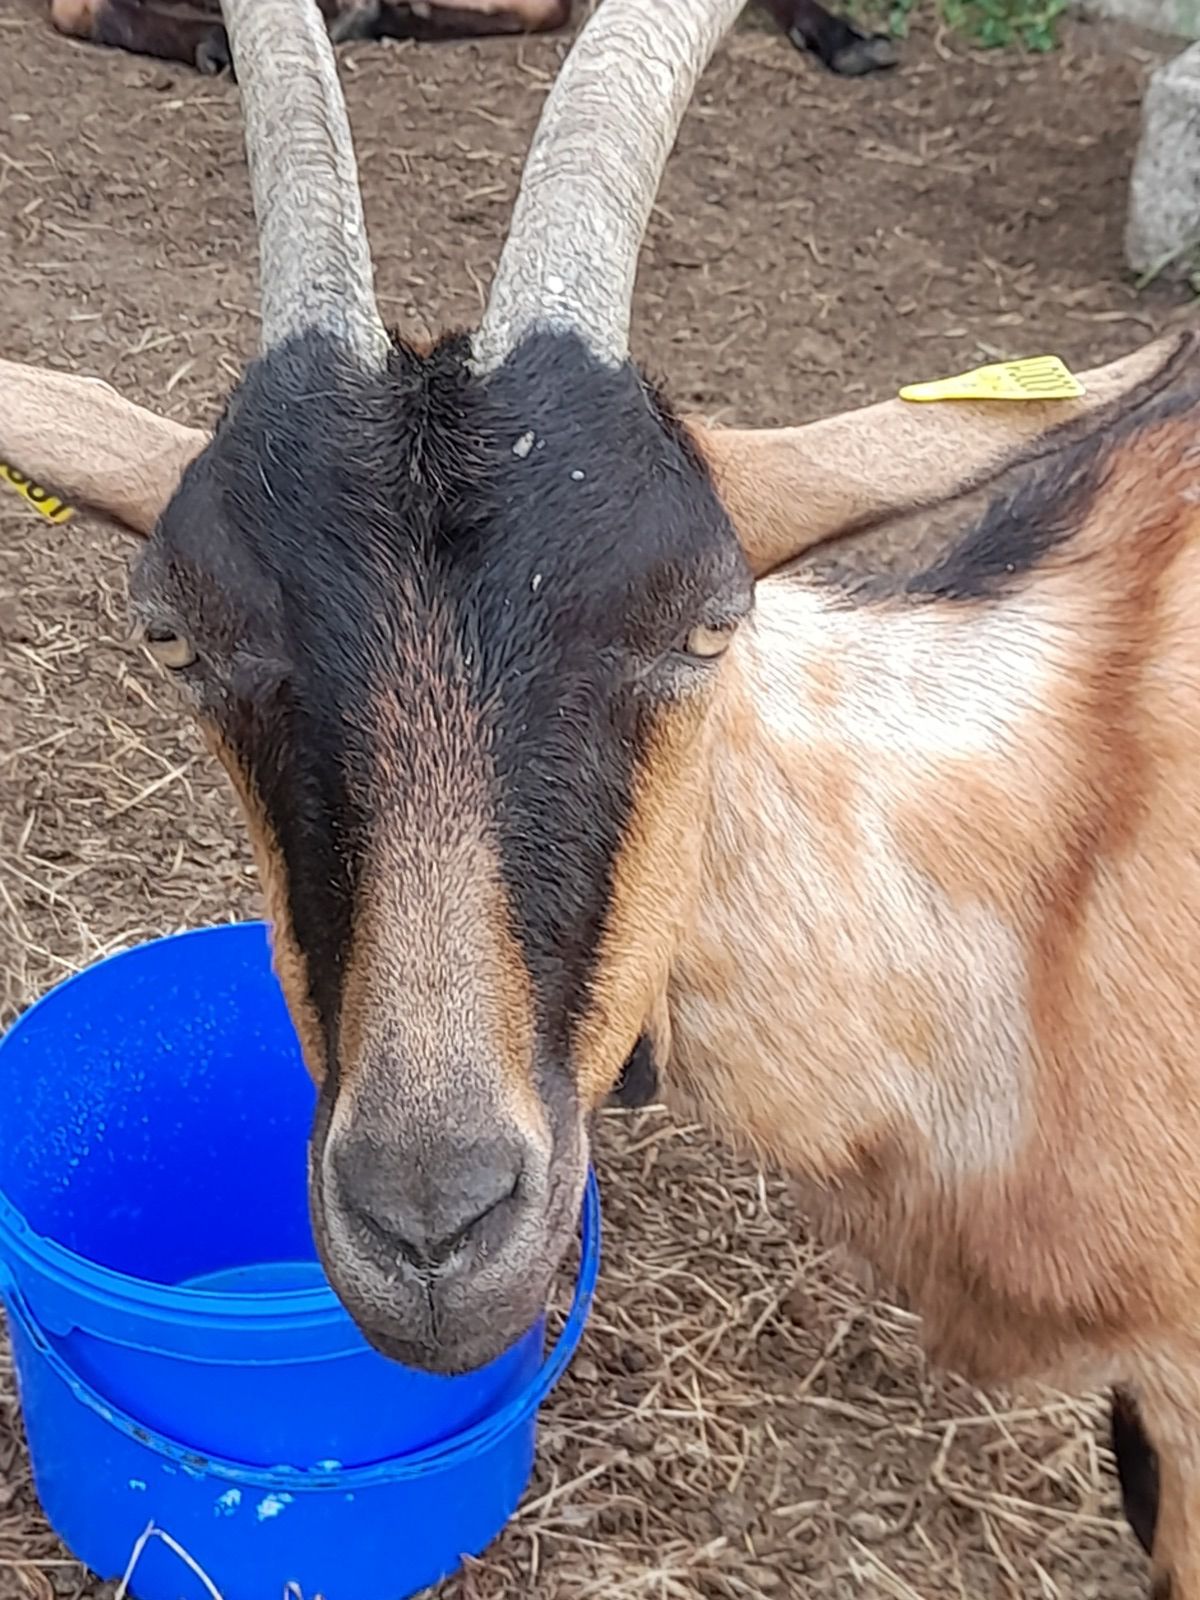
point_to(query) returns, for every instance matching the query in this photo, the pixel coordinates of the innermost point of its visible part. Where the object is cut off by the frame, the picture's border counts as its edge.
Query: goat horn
(592, 172)
(314, 259)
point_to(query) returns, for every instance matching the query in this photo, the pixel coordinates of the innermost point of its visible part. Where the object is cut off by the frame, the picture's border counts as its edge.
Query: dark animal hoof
(213, 55)
(859, 56)
(845, 51)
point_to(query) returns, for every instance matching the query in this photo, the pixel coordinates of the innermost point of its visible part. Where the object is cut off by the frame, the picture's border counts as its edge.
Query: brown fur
(437, 907)
(290, 966)
(1069, 1245)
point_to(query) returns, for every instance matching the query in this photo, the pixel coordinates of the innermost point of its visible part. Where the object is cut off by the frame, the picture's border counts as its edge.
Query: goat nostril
(427, 1253)
(422, 1216)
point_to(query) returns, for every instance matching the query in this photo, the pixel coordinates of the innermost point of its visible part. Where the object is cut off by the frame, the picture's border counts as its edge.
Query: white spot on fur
(915, 685)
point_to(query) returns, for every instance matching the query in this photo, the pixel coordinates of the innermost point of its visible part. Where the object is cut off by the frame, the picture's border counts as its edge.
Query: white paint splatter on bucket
(272, 1506)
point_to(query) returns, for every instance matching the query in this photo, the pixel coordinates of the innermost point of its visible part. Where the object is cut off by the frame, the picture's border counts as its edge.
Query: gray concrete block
(1163, 222)
(1178, 19)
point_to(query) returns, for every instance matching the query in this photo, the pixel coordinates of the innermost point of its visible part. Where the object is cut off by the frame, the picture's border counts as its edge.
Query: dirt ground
(741, 1421)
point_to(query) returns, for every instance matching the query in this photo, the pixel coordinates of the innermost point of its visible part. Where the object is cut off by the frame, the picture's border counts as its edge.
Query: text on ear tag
(1033, 378)
(46, 504)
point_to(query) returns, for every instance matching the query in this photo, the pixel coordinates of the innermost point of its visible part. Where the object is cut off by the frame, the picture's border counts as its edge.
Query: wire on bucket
(291, 1591)
(152, 1531)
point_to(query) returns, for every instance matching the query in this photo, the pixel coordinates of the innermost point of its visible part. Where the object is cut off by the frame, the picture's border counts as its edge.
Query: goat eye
(706, 643)
(170, 650)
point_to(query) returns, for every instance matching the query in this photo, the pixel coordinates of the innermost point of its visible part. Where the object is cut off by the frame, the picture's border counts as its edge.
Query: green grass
(988, 24)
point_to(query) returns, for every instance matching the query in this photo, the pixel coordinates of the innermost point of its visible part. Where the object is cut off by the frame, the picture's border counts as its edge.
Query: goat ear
(788, 489)
(92, 446)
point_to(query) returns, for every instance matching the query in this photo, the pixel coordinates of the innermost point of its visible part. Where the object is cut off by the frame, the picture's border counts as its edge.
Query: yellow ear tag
(43, 502)
(1035, 378)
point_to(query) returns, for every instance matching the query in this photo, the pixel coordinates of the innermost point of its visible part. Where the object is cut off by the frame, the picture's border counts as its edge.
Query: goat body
(943, 967)
(191, 31)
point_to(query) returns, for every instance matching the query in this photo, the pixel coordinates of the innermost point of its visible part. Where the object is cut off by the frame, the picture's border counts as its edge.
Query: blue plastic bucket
(153, 1136)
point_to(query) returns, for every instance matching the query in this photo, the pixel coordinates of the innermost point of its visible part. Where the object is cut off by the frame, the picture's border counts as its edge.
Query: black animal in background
(191, 31)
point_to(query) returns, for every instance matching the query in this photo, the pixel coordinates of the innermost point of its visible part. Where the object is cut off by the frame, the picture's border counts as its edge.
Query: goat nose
(423, 1210)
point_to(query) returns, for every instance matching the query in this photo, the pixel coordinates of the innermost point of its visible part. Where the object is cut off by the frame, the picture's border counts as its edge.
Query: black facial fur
(548, 535)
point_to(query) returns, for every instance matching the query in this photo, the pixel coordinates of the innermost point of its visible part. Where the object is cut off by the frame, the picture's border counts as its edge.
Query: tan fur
(96, 448)
(944, 966)
(1169, 1398)
(437, 1003)
(641, 933)
(537, 16)
(789, 488)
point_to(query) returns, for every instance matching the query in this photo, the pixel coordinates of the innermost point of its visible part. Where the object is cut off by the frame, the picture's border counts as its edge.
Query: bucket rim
(437, 1457)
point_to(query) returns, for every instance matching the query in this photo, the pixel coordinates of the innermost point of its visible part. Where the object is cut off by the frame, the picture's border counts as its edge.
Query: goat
(190, 30)
(783, 486)
(550, 753)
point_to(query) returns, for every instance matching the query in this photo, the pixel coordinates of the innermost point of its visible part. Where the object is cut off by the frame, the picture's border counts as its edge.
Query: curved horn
(592, 172)
(314, 259)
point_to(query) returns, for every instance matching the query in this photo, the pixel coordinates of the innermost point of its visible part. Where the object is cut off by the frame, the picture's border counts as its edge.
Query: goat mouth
(455, 1317)
(442, 1353)
(429, 1328)
(450, 1319)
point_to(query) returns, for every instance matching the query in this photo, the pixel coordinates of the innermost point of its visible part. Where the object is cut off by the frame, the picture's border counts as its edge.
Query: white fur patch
(872, 998)
(918, 683)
